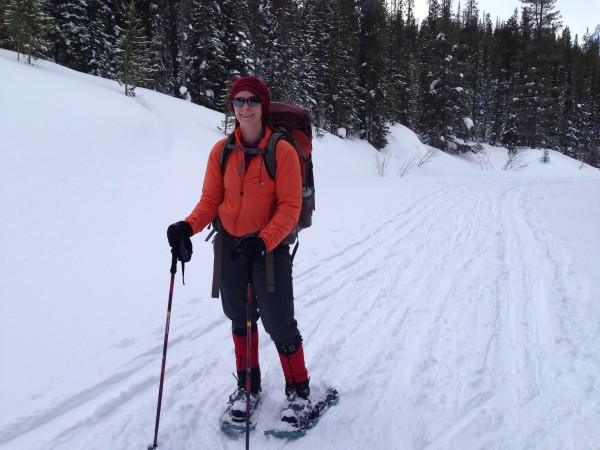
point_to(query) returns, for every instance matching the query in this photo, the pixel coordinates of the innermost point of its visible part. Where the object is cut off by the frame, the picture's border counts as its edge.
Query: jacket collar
(261, 144)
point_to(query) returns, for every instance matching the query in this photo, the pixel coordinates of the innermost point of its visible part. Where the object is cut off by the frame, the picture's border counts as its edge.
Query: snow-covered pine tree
(565, 134)
(396, 48)
(473, 39)
(374, 125)
(183, 29)
(106, 18)
(591, 64)
(278, 60)
(132, 54)
(316, 57)
(535, 91)
(3, 34)
(509, 135)
(446, 105)
(240, 43)
(343, 87)
(157, 30)
(484, 82)
(28, 25)
(72, 38)
(430, 124)
(233, 39)
(462, 75)
(410, 61)
(506, 42)
(545, 158)
(205, 55)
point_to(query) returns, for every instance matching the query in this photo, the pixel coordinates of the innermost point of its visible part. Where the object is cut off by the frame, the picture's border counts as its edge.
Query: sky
(579, 15)
(450, 302)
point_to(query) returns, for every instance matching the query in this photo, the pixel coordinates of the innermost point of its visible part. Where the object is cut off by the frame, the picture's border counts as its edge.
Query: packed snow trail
(455, 320)
(443, 321)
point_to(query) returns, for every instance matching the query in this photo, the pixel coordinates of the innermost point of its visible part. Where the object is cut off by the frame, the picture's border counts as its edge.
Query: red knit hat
(254, 85)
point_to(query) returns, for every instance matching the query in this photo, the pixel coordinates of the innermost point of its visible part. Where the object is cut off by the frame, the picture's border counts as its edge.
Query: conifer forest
(457, 78)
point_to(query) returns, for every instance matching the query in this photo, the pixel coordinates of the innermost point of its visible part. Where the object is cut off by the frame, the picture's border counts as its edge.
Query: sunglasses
(252, 101)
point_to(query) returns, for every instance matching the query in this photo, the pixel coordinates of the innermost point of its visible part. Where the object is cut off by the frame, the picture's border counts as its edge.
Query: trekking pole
(248, 352)
(164, 356)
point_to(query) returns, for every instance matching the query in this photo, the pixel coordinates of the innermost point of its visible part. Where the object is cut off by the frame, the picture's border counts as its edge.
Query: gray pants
(276, 309)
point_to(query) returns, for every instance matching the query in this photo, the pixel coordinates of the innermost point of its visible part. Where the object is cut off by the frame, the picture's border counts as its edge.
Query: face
(248, 116)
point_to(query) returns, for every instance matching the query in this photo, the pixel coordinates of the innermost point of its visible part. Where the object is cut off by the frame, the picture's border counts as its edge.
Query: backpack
(291, 123)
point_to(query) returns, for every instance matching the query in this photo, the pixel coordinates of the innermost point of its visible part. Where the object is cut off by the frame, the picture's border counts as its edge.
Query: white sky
(576, 14)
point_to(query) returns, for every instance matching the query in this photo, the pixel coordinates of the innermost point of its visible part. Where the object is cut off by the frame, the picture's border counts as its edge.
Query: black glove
(251, 247)
(179, 235)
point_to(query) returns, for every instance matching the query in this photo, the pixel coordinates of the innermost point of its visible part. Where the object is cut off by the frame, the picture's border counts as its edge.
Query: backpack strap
(269, 152)
(226, 151)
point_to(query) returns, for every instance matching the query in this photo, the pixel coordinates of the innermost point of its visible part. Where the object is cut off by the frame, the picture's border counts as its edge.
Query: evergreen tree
(397, 52)
(207, 75)
(535, 92)
(132, 55)
(507, 41)
(234, 40)
(279, 61)
(106, 18)
(155, 20)
(343, 86)
(4, 40)
(409, 56)
(28, 26)
(590, 153)
(484, 83)
(311, 86)
(170, 22)
(403, 87)
(72, 36)
(372, 64)
(544, 17)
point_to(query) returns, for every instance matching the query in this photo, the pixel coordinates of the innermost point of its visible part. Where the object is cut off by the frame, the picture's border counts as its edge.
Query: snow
(452, 307)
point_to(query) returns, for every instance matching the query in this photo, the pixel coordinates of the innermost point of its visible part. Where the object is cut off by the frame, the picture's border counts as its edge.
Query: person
(255, 213)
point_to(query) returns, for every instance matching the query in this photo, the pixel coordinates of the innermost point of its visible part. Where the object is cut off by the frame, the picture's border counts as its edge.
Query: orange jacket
(248, 201)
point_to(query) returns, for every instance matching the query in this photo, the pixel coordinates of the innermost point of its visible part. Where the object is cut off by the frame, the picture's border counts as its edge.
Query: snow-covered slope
(453, 307)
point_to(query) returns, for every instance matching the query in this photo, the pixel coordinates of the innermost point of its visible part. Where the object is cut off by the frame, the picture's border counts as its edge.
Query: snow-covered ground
(454, 307)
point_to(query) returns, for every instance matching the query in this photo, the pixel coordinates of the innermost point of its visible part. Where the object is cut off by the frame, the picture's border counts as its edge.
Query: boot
(299, 410)
(237, 400)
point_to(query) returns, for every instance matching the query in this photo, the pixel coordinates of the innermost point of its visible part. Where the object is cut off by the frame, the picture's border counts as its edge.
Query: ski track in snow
(441, 318)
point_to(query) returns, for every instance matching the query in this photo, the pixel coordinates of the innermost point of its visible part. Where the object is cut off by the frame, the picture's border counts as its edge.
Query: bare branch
(431, 153)
(382, 161)
(407, 167)
(514, 160)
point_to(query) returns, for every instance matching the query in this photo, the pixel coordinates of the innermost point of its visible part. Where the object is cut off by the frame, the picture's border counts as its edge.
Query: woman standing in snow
(255, 213)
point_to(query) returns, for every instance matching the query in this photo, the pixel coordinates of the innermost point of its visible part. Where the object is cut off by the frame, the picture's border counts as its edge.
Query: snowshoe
(301, 416)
